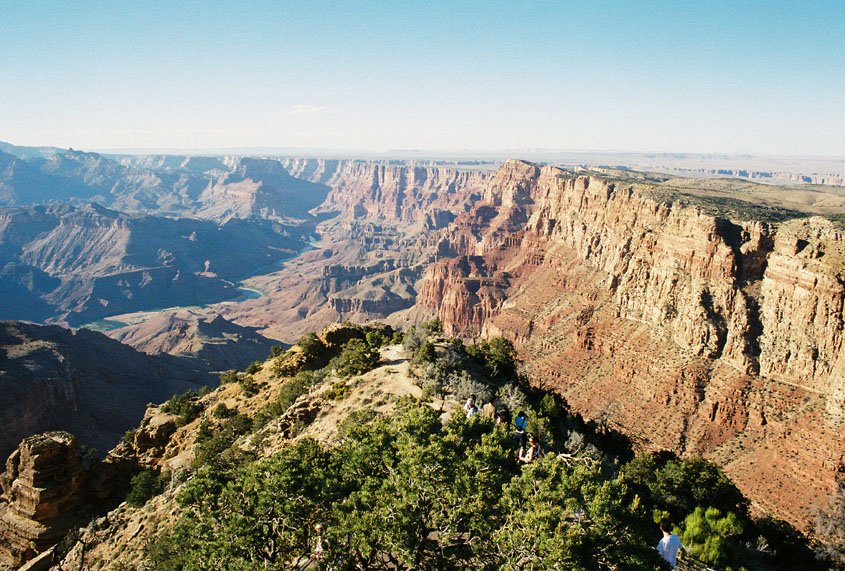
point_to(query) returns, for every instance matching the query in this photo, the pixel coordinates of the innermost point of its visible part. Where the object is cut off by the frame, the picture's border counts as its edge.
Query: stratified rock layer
(41, 486)
(687, 330)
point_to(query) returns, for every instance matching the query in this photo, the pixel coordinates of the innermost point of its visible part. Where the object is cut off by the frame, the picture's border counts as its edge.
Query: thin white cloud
(310, 110)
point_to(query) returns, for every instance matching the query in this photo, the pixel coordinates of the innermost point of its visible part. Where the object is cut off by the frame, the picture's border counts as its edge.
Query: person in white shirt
(670, 545)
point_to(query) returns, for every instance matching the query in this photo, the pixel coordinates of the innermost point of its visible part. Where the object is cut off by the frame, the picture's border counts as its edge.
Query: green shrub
(211, 448)
(298, 386)
(378, 338)
(413, 340)
(248, 385)
(144, 485)
(356, 359)
(497, 357)
(276, 351)
(186, 406)
(288, 393)
(711, 537)
(67, 543)
(253, 367)
(311, 345)
(89, 456)
(227, 377)
(337, 391)
(433, 327)
(426, 354)
(463, 385)
(221, 411)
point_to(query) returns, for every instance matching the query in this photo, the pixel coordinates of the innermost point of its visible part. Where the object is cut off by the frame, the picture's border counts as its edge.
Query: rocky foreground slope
(377, 450)
(46, 491)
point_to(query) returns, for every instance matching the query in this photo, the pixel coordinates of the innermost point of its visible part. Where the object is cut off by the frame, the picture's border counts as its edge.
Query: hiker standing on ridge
(520, 424)
(670, 546)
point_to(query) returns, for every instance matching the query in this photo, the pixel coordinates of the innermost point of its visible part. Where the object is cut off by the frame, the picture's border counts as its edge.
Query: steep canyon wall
(687, 330)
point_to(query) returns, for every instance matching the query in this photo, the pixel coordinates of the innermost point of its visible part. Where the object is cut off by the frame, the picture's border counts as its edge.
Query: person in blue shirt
(520, 424)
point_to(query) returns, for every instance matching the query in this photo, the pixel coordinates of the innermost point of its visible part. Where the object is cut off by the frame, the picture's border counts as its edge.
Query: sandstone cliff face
(802, 311)
(689, 331)
(42, 485)
(428, 196)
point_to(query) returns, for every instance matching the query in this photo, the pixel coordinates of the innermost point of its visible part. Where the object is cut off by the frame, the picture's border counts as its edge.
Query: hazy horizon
(764, 79)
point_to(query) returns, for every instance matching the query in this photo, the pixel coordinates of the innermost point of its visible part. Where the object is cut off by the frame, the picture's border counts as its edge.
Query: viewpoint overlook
(640, 316)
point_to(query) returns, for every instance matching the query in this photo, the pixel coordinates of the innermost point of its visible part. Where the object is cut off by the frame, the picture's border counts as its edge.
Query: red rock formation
(686, 330)
(429, 196)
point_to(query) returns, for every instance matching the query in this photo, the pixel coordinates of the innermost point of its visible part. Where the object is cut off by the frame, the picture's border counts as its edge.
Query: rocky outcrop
(42, 486)
(260, 187)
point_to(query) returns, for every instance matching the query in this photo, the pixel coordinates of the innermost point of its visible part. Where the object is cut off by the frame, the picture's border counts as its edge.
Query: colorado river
(246, 293)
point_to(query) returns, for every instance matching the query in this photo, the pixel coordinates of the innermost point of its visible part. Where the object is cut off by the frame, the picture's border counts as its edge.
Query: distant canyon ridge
(698, 315)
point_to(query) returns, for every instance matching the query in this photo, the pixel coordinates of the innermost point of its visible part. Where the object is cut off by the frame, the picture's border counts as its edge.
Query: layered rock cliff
(407, 194)
(656, 314)
(42, 486)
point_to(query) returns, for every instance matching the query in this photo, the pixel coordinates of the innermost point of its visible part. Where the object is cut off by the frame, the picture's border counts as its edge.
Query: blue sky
(761, 77)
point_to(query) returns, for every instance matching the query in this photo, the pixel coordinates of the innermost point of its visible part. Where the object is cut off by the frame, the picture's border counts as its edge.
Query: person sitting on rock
(469, 404)
(473, 410)
(531, 452)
